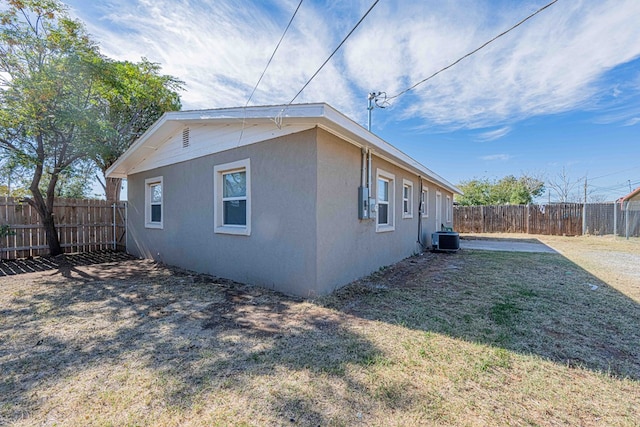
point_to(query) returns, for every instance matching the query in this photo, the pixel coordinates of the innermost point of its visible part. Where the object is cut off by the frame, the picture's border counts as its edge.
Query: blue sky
(562, 91)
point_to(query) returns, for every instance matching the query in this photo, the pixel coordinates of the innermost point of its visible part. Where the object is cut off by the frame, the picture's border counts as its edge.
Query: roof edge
(323, 113)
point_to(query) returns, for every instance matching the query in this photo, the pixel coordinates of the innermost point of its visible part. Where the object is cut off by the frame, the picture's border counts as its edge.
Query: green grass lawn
(473, 338)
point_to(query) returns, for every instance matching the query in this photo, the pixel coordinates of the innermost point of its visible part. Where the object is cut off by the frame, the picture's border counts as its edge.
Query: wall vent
(185, 137)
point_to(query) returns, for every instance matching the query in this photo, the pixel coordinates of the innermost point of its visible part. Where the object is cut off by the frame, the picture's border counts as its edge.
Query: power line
(244, 118)
(615, 187)
(274, 52)
(473, 51)
(334, 52)
(614, 173)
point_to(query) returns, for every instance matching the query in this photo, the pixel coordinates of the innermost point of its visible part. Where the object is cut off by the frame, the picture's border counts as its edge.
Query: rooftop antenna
(374, 101)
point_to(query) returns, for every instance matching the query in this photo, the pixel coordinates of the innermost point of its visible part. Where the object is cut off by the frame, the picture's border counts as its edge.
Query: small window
(449, 210)
(424, 202)
(232, 183)
(407, 199)
(153, 202)
(385, 196)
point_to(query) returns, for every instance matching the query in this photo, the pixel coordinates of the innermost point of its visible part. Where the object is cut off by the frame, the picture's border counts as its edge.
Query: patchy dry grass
(474, 338)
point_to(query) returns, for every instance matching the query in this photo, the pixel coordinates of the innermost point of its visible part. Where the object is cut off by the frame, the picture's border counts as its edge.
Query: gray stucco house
(299, 198)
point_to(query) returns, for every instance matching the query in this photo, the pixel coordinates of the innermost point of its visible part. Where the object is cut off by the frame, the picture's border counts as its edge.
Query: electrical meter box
(363, 203)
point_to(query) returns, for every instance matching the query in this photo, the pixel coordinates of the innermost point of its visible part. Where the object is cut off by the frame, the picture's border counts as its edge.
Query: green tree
(476, 192)
(14, 177)
(516, 191)
(133, 97)
(47, 94)
(507, 190)
(76, 182)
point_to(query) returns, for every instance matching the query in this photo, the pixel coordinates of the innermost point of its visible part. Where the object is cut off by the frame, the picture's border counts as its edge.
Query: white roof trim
(305, 115)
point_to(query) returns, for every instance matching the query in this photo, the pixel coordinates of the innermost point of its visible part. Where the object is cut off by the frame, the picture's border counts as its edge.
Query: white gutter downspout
(364, 166)
(369, 171)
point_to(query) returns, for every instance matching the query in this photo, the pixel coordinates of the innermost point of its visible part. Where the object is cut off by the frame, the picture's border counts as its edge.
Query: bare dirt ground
(473, 338)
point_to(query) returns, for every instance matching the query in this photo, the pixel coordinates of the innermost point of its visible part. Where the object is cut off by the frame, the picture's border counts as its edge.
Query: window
(153, 202)
(449, 209)
(385, 195)
(232, 183)
(407, 199)
(424, 202)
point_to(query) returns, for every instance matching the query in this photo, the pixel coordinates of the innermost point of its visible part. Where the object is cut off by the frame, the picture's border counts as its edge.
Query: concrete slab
(505, 246)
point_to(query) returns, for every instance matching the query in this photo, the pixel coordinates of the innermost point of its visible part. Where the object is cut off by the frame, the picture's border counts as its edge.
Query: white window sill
(407, 216)
(385, 228)
(154, 225)
(229, 229)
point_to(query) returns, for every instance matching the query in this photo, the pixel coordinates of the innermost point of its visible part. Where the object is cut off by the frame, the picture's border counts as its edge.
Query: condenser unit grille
(445, 241)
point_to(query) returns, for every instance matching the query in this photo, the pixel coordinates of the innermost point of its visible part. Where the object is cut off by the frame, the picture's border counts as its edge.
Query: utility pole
(372, 99)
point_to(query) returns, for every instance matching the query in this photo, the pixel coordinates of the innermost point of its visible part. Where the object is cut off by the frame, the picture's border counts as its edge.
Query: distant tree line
(509, 190)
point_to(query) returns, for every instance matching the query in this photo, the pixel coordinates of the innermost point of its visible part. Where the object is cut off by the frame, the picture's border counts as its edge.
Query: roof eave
(631, 195)
(322, 114)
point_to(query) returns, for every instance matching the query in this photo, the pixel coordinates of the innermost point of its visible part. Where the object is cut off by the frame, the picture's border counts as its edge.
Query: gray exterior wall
(280, 252)
(306, 238)
(349, 248)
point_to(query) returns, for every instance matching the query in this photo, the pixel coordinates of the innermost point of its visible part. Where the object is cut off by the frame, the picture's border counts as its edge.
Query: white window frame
(449, 210)
(407, 202)
(424, 202)
(149, 183)
(390, 225)
(218, 215)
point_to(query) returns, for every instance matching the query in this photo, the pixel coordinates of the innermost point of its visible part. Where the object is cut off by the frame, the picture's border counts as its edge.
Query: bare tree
(565, 188)
(597, 198)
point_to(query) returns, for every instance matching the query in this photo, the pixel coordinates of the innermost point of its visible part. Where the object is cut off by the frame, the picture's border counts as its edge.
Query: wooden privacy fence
(82, 226)
(554, 219)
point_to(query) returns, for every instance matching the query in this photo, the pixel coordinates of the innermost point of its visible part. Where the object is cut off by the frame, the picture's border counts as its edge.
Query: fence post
(626, 219)
(484, 221)
(615, 219)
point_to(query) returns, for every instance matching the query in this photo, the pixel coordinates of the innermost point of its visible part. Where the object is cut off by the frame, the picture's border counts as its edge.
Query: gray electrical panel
(363, 203)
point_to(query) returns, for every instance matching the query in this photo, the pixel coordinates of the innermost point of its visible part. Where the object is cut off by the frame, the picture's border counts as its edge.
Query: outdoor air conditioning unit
(448, 241)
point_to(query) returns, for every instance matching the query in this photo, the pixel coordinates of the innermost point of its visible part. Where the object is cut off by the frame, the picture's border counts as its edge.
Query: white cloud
(552, 63)
(496, 157)
(494, 134)
(632, 122)
(220, 49)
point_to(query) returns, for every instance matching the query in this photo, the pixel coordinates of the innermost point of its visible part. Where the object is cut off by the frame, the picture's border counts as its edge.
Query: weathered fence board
(563, 219)
(82, 226)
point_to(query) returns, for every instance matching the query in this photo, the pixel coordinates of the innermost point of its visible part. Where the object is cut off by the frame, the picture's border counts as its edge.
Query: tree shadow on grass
(191, 334)
(133, 329)
(531, 303)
